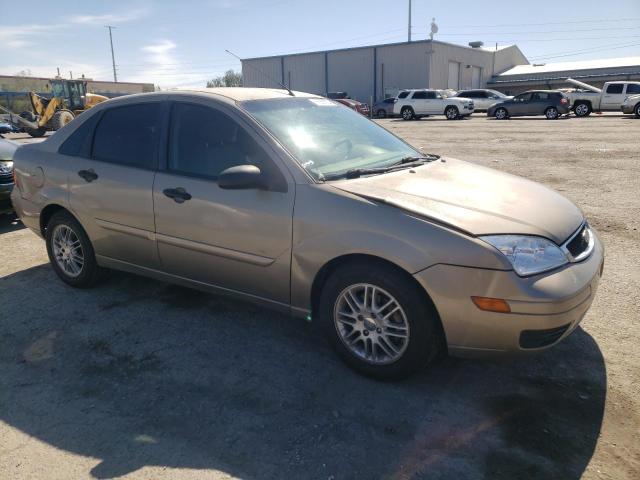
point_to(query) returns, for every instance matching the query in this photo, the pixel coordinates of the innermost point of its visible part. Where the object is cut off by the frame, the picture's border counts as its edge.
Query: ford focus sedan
(294, 202)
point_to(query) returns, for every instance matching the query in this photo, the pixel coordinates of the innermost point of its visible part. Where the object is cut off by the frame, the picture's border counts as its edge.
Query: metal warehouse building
(379, 71)
(553, 75)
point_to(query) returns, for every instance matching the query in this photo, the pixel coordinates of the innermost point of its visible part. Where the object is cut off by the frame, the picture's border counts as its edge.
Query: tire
(407, 113)
(381, 114)
(636, 110)
(60, 119)
(501, 114)
(34, 132)
(424, 338)
(451, 112)
(551, 113)
(89, 272)
(582, 109)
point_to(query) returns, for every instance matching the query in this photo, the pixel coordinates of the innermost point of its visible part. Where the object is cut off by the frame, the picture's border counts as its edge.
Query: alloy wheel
(67, 250)
(501, 114)
(371, 323)
(581, 110)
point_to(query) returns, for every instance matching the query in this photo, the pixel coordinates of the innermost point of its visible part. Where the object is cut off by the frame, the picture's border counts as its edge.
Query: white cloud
(107, 18)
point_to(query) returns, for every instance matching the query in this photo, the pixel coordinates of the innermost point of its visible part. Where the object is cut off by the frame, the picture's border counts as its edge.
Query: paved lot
(141, 379)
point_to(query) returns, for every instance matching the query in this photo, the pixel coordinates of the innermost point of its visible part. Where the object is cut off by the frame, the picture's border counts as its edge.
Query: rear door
(613, 96)
(111, 188)
(540, 101)
(233, 239)
(419, 102)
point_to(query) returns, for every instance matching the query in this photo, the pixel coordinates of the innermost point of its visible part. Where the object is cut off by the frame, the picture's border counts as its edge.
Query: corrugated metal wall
(421, 64)
(351, 71)
(305, 73)
(405, 66)
(254, 77)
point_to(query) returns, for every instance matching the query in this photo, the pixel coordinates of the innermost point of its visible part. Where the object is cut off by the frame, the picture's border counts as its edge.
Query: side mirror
(241, 177)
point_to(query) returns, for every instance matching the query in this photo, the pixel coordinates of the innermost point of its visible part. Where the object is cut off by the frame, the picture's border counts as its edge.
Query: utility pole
(113, 58)
(409, 25)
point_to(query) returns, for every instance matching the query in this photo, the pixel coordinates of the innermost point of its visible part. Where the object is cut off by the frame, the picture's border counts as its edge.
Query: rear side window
(615, 88)
(419, 95)
(633, 88)
(403, 94)
(79, 142)
(129, 135)
(541, 96)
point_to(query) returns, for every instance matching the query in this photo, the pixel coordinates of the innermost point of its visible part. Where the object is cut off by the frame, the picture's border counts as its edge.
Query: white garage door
(454, 75)
(475, 77)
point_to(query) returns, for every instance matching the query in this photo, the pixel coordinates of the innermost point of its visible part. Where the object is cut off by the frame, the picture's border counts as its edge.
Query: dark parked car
(359, 107)
(7, 149)
(384, 108)
(550, 103)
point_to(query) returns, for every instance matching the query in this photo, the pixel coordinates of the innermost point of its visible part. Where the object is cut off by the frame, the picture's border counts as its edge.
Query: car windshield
(497, 94)
(326, 138)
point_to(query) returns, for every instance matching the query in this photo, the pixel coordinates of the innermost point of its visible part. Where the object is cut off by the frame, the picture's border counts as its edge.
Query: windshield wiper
(405, 162)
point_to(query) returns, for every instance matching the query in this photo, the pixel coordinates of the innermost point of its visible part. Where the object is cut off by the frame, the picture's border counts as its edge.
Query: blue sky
(182, 43)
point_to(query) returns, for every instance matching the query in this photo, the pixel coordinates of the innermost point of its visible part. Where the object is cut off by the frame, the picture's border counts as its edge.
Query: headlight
(528, 255)
(6, 166)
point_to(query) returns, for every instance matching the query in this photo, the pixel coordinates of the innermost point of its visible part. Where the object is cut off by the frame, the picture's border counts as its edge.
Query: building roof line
(480, 49)
(495, 81)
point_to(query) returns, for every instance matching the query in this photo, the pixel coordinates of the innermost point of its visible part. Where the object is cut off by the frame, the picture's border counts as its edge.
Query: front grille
(6, 178)
(580, 243)
(541, 338)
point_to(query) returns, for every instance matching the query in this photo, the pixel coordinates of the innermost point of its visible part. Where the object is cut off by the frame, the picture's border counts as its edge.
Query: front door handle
(179, 194)
(88, 175)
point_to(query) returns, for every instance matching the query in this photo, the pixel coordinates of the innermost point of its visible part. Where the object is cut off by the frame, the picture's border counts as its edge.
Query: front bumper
(545, 308)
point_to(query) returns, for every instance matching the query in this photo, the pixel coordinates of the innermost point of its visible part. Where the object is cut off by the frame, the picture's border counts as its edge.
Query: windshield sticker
(322, 102)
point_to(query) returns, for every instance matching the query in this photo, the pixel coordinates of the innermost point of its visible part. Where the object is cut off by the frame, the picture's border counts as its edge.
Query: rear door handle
(88, 175)
(179, 194)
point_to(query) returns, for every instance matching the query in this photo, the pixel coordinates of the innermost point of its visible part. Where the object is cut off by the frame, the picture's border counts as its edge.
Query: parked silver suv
(294, 202)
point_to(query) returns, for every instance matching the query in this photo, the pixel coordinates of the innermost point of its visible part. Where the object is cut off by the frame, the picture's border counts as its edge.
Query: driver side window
(525, 97)
(204, 141)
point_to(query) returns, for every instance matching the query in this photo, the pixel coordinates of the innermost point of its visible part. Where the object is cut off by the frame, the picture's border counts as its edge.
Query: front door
(111, 189)
(520, 105)
(238, 240)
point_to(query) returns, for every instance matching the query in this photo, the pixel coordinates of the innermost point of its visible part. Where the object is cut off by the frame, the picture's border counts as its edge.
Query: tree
(229, 79)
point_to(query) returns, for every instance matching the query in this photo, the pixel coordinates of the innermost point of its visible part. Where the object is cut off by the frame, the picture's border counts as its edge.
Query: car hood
(474, 199)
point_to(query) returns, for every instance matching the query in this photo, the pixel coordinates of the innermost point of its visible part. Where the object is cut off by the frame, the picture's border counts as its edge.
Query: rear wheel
(582, 109)
(379, 322)
(70, 251)
(501, 114)
(407, 113)
(451, 113)
(60, 119)
(551, 113)
(637, 110)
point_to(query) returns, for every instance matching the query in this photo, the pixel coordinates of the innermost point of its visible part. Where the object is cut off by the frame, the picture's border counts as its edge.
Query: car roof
(240, 94)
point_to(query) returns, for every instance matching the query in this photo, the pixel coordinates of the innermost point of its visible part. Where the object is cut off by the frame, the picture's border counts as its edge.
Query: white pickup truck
(610, 98)
(418, 103)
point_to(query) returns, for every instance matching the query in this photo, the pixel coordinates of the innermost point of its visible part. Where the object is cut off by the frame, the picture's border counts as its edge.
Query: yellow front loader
(69, 99)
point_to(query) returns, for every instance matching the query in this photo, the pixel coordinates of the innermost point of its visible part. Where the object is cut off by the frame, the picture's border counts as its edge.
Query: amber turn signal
(491, 304)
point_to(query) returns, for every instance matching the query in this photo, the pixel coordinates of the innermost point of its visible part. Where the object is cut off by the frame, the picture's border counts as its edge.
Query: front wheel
(501, 114)
(70, 251)
(381, 114)
(551, 113)
(379, 321)
(451, 113)
(407, 113)
(637, 111)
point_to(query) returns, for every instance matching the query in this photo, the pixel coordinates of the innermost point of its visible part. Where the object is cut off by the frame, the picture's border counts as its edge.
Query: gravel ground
(141, 379)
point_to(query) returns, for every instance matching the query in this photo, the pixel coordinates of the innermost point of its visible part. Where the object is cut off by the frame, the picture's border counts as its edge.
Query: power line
(616, 20)
(581, 52)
